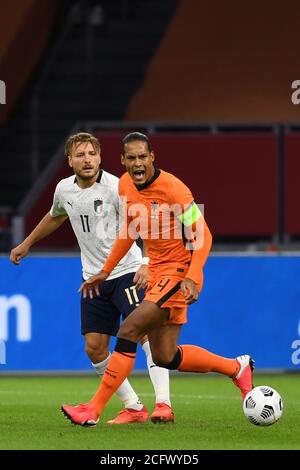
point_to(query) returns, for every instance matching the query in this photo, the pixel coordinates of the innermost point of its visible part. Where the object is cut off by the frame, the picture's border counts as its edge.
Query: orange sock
(196, 359)
(117, 370)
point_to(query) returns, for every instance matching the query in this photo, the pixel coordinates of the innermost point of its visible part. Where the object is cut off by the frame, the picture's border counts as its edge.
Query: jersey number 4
(85, 223)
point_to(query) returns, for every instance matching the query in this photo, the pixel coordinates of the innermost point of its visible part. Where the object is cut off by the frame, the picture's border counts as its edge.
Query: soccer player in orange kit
(161, 210)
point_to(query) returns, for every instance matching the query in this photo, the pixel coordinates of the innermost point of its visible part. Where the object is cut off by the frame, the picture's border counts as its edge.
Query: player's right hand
(91, 286)
(189, 290)
(18, 253)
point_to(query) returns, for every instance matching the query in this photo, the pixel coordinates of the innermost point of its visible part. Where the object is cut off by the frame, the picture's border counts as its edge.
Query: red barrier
(292, 186)
(234, 176)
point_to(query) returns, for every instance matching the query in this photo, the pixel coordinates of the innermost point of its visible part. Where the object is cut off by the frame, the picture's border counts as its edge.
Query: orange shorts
(165, 291)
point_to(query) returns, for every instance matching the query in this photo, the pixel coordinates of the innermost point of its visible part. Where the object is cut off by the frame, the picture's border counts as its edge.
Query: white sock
(159, 377)
(125, 392)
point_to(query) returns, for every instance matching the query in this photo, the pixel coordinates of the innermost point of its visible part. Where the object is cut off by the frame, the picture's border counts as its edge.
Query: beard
(86, 177)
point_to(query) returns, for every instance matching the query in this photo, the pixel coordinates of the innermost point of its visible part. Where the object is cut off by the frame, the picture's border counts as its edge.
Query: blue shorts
(118, 297)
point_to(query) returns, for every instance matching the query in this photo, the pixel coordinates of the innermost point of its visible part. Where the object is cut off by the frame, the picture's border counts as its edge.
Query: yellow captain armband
(191, 215)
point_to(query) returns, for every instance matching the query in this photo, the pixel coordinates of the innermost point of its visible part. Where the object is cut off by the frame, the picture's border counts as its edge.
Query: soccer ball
(263, 406)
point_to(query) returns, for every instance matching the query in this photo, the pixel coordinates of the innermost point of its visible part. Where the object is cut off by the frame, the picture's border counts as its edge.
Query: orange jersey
(155, 212)
(152, 213)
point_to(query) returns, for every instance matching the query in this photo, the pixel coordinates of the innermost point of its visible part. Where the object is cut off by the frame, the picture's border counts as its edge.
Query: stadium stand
(27, 27)
(223, 62)
(93, 64)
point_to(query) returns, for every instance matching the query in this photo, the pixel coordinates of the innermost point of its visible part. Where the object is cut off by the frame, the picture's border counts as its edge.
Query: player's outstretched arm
(45, 227)
(199, 242)
(119, 250)
(91, 286)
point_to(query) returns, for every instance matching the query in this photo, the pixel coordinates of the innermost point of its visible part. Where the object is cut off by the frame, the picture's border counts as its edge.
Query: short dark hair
(136, 136)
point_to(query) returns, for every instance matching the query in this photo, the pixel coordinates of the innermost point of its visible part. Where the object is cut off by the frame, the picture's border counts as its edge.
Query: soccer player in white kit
(90, 200)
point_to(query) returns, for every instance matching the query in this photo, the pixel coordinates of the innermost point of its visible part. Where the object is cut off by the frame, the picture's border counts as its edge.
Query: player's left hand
(189, 290)
(141, 277)
(92, 285)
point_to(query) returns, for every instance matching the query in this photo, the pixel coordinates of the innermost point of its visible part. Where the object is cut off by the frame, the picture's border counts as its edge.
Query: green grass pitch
(208, 416)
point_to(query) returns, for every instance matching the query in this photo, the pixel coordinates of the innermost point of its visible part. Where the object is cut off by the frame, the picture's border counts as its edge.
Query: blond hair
(79, 138)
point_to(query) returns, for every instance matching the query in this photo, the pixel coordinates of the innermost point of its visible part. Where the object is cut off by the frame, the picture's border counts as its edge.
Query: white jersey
(96, 215)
